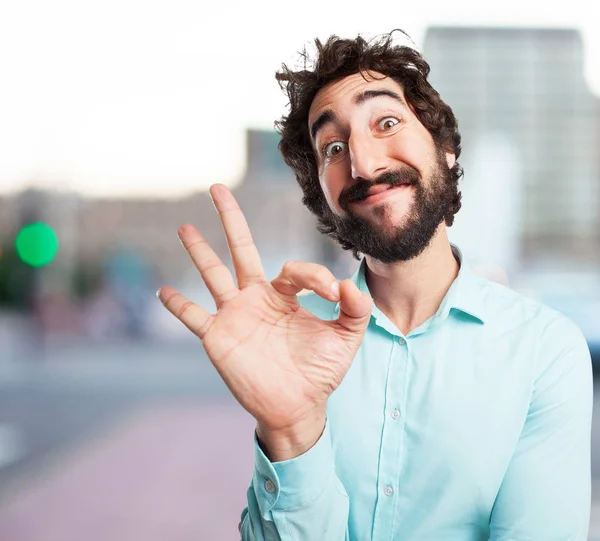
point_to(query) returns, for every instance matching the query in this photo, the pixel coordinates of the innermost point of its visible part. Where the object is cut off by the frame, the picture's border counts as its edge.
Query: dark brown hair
(336, 59)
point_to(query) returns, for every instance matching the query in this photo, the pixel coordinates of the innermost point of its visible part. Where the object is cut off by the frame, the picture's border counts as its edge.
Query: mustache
(397, 177)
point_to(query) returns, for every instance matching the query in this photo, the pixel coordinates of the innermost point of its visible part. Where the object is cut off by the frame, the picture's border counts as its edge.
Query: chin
(390, 215)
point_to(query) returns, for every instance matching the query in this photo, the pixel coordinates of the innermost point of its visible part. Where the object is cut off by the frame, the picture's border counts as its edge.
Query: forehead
(341, 93)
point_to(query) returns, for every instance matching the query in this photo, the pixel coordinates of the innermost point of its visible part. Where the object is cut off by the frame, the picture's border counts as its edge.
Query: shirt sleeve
(546, 490)
(301, 499)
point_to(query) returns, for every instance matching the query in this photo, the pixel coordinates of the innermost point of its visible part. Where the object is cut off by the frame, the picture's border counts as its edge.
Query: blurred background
(115, 118)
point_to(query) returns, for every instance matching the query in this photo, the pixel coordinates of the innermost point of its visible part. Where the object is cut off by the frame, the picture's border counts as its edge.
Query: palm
(277, 359)
(289, 358)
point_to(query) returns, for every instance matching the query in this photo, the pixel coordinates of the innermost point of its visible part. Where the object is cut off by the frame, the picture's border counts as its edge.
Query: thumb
(355, 307)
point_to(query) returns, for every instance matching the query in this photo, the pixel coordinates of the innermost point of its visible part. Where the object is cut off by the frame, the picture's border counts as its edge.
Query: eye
(333, 149)
(388, 122)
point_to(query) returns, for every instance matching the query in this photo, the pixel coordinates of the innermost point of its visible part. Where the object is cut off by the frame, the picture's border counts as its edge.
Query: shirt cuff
(292, 483)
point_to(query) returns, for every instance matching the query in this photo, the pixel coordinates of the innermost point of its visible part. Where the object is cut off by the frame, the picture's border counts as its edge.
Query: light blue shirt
(474, 426)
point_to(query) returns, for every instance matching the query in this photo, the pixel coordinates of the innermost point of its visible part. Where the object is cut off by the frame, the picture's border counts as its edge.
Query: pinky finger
(194, 317)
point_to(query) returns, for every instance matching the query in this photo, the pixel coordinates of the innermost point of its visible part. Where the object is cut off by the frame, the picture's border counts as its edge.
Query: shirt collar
(463, 295)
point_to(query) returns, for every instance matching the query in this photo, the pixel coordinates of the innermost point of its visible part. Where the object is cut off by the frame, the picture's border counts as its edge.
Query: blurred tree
(16, 281)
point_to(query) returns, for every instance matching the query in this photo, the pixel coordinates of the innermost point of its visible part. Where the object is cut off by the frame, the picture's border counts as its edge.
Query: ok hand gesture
(279, 361)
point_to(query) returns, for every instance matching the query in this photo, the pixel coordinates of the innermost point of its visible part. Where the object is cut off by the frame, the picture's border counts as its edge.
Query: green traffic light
(36, 244)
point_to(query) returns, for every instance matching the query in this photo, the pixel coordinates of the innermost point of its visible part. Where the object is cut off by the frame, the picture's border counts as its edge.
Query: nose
(368, 157)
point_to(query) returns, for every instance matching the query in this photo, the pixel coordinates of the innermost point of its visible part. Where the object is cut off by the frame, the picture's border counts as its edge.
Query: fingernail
(158, 293)
(179, 237)
(213, 200)
(335, 288)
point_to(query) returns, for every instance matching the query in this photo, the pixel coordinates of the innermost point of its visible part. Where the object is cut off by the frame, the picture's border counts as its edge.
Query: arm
(304, 501)
(280, 362)
(546, 490)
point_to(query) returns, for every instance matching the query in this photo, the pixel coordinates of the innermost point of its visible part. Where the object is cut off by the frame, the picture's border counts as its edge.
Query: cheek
(409, 145)
(418, 152)
(332, 188)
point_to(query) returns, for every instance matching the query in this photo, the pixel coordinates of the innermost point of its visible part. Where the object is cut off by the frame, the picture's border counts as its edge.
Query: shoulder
(506, 304)
(555, 334)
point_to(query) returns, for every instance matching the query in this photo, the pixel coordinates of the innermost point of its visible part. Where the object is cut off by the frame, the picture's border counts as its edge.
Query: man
(414, 401)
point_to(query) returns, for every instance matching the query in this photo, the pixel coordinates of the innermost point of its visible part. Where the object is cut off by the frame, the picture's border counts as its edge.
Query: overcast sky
(132, 97)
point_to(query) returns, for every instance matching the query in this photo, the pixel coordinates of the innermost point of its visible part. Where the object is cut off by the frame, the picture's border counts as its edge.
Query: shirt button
(395, 414)
(401, 341)
(388, 491)
(269, 486)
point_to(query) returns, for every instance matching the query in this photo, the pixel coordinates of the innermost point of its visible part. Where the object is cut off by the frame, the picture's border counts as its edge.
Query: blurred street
(123, 448)
(125, 442)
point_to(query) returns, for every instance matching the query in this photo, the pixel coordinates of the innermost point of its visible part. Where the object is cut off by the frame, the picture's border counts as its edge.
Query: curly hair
(336, 59)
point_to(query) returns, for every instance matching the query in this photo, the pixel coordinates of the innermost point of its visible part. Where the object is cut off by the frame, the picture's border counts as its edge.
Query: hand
(279, 361)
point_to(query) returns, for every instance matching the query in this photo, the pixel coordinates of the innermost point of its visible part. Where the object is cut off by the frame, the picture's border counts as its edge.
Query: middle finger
(244, 254)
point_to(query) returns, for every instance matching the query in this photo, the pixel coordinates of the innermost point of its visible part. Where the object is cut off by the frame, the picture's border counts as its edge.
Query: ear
(450, 159)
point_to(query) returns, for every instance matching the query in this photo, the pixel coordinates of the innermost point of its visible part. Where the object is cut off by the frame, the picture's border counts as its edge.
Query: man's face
(384, 179)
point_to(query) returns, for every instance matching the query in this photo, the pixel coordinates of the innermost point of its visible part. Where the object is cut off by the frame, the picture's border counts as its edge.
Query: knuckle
(288, 267)
(169, 300)
(252, 279)
(201, 331)
(209, 265)
(183, 308)
(224, 297)
(243, 241)
(195, 245)
(323, 276)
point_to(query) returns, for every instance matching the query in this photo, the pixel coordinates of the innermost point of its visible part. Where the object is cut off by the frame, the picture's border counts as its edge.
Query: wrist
(290, 442)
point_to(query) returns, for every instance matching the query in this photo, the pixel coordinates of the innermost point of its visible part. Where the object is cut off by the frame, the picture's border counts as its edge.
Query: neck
(410, 292)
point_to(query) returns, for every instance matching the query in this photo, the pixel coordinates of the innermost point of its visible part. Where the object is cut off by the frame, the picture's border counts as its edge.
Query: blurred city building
(531, 199)
(268, 195)
(114, 252)
(531, 143)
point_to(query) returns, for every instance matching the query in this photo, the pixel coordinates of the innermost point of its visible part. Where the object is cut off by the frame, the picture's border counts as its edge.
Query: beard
(432, 202)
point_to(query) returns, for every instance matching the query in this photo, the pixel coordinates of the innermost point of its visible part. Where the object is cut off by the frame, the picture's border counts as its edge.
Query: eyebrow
(370, 94)
(325, 117)
(328, 115)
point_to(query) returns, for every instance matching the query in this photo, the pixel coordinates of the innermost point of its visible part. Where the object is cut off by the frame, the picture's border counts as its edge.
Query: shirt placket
(390, 453)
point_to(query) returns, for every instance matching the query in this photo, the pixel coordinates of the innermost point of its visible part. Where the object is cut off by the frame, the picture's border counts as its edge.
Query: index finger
(244, 254)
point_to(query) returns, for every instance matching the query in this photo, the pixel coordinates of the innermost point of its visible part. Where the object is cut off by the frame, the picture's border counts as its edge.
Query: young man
(414, 401)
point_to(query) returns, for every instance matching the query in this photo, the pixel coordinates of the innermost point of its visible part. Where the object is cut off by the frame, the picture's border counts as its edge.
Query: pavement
(171, 472)
(120, 442)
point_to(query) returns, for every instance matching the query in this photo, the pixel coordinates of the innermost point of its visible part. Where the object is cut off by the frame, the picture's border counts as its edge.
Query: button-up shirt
(473, 426)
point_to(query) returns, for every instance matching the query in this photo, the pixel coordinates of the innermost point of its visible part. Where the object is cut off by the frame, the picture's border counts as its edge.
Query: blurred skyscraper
(531, 143)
